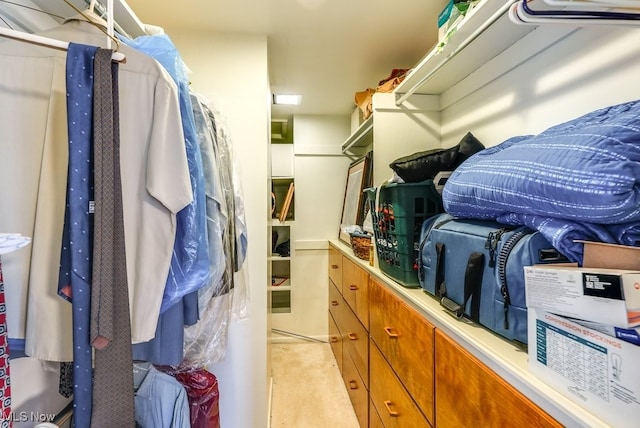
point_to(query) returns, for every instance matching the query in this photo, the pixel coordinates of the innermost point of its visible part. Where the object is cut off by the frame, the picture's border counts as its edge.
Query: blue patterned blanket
(576, 180)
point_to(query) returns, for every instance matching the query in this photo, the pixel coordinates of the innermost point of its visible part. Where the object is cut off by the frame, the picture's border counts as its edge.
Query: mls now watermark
(31, 417)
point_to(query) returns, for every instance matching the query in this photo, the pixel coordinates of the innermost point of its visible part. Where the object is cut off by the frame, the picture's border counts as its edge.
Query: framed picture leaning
(353, 206)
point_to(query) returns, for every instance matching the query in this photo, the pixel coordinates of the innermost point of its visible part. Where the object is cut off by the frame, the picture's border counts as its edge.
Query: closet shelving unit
(486, 31)
(280, 288)
(280, 266)
(361, 137)
(123, 15)
(485, 46)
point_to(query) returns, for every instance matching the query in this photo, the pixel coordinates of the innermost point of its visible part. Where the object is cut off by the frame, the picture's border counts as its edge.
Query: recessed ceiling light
(291, 100)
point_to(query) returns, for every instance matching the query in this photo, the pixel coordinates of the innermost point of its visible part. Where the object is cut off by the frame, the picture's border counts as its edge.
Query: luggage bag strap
(472, 284)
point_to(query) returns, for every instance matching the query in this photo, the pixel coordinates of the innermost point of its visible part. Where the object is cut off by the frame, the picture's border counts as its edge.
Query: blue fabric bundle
(576, 180)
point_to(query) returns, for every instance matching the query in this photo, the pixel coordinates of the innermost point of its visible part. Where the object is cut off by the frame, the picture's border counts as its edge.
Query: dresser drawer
(470, 394)
(355, 290)
(406, 339)
(336, 303)
(335, 340)
(374, 418)
(335, 267)
(391, 400)
(355, 342)
(358, 393)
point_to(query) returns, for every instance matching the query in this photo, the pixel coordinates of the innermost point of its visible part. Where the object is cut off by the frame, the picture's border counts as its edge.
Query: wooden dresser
(406, 363)
(349, 328)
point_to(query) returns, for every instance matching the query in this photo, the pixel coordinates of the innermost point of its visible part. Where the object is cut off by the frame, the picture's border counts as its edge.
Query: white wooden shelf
(279, 258)
(280, 288)
(362, 137)
(485, 32)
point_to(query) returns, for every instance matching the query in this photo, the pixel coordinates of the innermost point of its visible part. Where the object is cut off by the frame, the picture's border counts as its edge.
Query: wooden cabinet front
(374, 418)
(355, 290)
(335, 340)
(335, 267)
(358, 394)
(470, 394)
(336, 303)
(355, 342)
(393, 403)
(406, 339)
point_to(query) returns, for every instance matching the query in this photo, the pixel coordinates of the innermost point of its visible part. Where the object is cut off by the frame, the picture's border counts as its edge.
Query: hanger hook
(115, 39)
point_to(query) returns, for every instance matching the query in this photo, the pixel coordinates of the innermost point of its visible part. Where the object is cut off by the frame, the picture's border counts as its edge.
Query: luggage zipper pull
(488, 245)
(506, 315)
(492, 245)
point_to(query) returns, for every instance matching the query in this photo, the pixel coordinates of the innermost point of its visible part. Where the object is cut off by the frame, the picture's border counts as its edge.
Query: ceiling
(325, 50)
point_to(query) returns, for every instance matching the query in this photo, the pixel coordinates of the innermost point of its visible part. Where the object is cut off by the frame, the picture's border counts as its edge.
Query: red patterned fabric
(203, 396)
(5, 381)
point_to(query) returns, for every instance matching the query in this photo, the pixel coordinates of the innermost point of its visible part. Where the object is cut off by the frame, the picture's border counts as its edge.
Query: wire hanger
(92, 18)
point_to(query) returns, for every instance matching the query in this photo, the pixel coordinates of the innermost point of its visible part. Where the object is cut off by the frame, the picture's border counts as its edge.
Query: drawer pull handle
(352, 336)
(353, 384)
(391, 334)
(353, 287)
(392, 412)
(334, 339)
(334, 303)
(334, 266)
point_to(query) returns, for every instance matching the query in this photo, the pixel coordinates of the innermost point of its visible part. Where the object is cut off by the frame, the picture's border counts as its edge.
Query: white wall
(595, 67)
(231, 71)
(320, 178)
(321, 174)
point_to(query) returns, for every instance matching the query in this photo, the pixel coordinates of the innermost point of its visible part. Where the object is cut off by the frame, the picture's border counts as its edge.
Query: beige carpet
(308, 391)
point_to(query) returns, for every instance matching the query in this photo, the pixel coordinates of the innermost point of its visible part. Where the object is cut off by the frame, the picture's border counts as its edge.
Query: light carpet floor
(308, 390)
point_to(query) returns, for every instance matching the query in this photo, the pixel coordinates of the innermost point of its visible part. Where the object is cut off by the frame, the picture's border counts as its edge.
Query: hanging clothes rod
(47, 42)
(520, 14)
(621, 4)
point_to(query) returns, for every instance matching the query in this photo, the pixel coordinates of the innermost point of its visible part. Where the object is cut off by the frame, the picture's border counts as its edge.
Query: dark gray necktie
(113, 395)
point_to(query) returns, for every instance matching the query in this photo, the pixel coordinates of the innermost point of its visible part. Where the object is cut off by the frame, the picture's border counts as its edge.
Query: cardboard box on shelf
(599, 372)
(607, 296)
(605, 290)
(610, 256)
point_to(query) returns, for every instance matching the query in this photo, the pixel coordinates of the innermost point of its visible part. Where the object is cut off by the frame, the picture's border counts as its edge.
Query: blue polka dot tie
(76, 259)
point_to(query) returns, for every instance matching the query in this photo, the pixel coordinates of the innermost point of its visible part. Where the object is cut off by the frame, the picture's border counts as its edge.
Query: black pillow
(426, 165)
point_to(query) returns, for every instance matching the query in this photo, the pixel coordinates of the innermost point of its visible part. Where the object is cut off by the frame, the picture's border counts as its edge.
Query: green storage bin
(397, 218)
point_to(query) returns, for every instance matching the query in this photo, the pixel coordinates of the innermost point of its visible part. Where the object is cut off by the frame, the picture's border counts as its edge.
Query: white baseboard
(278, 336)
(270, 401)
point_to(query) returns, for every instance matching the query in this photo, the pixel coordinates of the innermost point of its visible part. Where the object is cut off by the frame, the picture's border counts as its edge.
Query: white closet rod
(48, 42)
(519, 16)
(623, 4)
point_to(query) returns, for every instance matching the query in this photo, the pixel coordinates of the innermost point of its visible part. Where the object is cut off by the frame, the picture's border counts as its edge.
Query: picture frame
(353, 205)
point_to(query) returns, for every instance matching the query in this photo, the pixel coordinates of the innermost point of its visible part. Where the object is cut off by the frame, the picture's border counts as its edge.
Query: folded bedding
(562, 234)
(586, 170)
